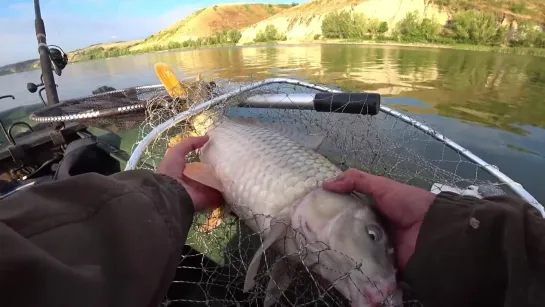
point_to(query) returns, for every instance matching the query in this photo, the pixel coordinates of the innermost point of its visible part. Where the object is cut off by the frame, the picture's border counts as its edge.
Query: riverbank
(538, 52)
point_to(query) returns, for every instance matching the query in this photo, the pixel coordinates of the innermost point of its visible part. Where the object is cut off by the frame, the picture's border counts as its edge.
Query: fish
(271, 178)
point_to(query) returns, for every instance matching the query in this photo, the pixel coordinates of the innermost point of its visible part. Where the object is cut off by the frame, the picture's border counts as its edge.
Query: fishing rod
(51, 59)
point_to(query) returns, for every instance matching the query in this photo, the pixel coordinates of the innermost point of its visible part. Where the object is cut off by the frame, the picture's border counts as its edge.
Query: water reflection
(491, 103)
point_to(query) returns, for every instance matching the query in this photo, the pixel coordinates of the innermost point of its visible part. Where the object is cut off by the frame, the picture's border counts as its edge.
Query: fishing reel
(58, 58)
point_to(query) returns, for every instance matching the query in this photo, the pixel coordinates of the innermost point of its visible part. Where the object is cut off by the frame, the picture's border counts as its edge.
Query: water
(491, 104)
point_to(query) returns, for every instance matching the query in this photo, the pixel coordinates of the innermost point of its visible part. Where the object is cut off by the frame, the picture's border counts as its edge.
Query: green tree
(409, 27)
(173, 45)
(479, 28)
(527, 34)
(345, 25)
(414, 29)
(373, 26)
(269, 34)
(539, 41)
(234, 36)
(429, 30)
(335, 25)
(383, 27)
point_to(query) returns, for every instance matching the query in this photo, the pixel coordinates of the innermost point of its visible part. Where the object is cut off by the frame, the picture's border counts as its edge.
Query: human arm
(460, 251)
(479, 252)
(95, 240)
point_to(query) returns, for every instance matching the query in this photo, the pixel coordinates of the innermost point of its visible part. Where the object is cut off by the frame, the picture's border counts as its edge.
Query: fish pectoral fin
(278, 230)
(313, 141)
(278, 283)
(204, 174)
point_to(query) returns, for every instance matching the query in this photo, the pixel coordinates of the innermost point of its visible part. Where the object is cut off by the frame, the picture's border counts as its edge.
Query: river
(492, 104)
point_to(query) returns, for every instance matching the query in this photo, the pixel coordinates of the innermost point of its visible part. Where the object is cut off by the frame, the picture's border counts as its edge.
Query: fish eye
(374, 233)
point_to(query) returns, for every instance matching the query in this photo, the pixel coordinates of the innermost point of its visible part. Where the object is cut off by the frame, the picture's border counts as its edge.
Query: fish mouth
(374, 299)
(385, 293)
(376, 292)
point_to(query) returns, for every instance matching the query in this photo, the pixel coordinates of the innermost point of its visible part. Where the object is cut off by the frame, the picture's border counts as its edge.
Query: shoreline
(537, 52)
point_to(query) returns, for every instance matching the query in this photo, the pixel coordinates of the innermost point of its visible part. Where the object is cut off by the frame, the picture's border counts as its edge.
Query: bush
(346, 25)
(539, 41)
(269, 34)
(115, 52)
(234, 36)
(479, 28)
(270, 9)
(519, 8)
(383, 27)
(527, 35)
(413, 29)
(174, 45)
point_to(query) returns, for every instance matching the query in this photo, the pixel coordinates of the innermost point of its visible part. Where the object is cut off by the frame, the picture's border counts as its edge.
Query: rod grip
(353, 103)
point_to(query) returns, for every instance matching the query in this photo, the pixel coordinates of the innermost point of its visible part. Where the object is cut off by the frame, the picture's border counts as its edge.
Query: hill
(202, 23)
(19, 67)
(304, 22)
(492, 23)
(209, 21)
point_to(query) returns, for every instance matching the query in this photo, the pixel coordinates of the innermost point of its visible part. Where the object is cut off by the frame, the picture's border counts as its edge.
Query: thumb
(351, 180)
(340, 184)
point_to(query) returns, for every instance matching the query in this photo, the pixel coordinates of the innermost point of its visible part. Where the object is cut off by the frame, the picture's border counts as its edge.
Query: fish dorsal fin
(312, 141)
(278, 230)
(204, 174)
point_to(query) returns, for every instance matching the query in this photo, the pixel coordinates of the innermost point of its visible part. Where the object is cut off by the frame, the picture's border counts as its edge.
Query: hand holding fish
(173, 165)
(403, 205)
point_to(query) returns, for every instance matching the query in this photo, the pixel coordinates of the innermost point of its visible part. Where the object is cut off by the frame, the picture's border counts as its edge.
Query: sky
(73, 24)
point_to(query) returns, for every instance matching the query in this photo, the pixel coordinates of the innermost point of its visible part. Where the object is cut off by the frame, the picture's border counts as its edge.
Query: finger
(188, 145)
(352, 180)
(175, 157)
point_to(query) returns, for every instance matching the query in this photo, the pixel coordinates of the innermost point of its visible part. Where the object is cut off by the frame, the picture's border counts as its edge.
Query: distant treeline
(19, 67)
(226, 37)
(469, 27)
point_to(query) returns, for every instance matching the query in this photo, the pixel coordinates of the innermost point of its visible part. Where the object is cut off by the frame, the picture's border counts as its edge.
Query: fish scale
(257, 156)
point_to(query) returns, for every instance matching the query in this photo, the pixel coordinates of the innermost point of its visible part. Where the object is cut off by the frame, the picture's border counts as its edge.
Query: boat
(362, 132)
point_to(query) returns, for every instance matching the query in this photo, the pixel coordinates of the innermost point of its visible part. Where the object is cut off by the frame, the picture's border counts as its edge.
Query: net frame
(199, 108)
(219, 284)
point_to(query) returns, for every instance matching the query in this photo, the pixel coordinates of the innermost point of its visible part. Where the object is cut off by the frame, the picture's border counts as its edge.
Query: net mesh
(213, 265)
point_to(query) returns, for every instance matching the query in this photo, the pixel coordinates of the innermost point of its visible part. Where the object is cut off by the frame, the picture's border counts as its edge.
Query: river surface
(492, 104)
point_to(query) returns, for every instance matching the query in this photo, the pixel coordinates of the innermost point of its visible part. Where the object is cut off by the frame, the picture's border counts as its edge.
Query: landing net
(213, 264)
(213, 267)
